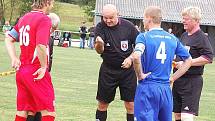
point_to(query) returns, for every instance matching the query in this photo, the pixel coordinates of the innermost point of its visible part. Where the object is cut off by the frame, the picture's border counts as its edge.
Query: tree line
(11, 8)
(16, 8)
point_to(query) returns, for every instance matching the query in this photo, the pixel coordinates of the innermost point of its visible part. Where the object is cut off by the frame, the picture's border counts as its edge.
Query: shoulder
(45, 18)
(40, 16)
(185, 34)
(100, 26)
(126, 22)
(202, 34)
(141, 36)
(203, 37)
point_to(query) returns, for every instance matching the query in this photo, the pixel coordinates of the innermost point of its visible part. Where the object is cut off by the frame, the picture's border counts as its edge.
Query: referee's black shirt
(118, 40)
(198, 45)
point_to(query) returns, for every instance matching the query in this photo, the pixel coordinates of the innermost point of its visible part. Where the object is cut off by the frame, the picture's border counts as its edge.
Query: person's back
(28, 30)
(32, 76)
(83, 31)
(83, 35)
(153, 56)
(91, 36)
(160, 45)
(92, 31)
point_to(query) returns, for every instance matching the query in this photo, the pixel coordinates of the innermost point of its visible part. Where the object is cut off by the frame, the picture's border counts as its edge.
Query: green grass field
(74, 76)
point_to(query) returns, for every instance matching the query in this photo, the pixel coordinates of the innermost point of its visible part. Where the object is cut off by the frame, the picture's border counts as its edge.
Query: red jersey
(33, 29)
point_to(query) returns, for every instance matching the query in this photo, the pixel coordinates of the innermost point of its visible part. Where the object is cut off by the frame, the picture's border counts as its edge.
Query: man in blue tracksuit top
(153, 56)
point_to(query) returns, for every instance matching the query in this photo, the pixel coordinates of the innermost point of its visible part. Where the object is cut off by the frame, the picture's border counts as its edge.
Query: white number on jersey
(24, 37)
(161, 53)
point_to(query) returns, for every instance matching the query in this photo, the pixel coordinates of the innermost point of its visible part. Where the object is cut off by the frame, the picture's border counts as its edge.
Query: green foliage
(68, 1)
(71, 16)
(88, 6)
(25, 6)
(12, 9)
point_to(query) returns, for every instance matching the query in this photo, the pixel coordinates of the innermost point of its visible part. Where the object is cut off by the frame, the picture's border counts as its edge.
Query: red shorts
(34, 95)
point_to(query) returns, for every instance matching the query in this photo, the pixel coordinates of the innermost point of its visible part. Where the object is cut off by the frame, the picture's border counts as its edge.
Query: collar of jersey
(37, 11)
(155, 29)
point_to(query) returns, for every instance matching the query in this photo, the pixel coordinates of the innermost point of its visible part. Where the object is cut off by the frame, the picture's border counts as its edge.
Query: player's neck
(154, 26)
(41, 10)
(195, 29)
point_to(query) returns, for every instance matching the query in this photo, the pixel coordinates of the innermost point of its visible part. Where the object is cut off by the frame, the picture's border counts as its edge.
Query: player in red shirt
(34, 86)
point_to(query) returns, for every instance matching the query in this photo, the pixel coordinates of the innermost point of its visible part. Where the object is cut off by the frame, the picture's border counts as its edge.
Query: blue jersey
(160, 49)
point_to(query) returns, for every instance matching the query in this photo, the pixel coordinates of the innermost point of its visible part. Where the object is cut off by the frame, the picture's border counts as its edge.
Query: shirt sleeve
(99, 31)
(181, 51)
(206, 50)
(43, 31)
(14, 34)
(140, 39)
(134, 34)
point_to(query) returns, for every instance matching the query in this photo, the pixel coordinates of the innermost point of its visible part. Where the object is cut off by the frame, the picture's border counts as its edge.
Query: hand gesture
(99, 45)
(127, 63)
(40, 72)
(178, 64)
(143, 76)
(99, 40)
(15, 63)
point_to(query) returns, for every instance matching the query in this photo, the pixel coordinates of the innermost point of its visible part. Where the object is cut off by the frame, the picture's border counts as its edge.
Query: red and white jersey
(33, 29)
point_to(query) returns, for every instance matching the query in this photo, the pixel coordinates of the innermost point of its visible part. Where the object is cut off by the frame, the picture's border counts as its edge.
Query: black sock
(30, 118)
(178, 120)
(130, 117)
(101, 115)
(38, 116)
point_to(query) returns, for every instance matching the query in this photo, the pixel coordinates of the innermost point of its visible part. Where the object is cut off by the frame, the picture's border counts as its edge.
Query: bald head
(109, 9)
(110, 15)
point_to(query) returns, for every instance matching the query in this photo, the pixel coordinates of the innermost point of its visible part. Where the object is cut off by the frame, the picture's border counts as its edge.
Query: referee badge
(124, 45)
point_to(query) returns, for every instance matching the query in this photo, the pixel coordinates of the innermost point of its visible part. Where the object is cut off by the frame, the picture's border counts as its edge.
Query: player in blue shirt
(153, 56)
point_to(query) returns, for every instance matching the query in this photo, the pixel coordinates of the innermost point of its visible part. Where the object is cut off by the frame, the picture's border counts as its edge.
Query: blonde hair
(193, 12)
(39, 4)
(153, 12)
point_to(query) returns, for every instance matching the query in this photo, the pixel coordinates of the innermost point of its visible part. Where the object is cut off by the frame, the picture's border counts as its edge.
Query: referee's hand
(127, 63)
(99, 45)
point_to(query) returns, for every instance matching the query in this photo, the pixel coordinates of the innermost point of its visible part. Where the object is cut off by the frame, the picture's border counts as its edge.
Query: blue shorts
(153, 102)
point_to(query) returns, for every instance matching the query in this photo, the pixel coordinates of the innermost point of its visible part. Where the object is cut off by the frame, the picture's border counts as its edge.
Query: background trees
(10, 10)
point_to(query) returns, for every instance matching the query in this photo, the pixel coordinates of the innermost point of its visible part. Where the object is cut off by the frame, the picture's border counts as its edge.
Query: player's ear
(150, 20)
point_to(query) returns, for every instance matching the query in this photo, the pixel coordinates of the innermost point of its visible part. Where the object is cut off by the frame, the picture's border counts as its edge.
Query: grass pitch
(74, 74)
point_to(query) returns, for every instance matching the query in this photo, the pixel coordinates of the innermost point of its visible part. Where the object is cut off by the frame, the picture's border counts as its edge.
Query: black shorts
(110, 79)
(186, 94)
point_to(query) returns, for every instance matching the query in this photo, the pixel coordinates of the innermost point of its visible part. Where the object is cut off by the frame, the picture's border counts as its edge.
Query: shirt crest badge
(124, 45)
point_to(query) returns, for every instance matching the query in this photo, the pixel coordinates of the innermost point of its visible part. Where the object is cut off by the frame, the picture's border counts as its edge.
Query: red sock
(48, 118)
(19, 118)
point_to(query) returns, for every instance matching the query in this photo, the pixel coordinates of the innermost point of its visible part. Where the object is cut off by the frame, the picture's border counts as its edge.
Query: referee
(187, 89)
(115, 38)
